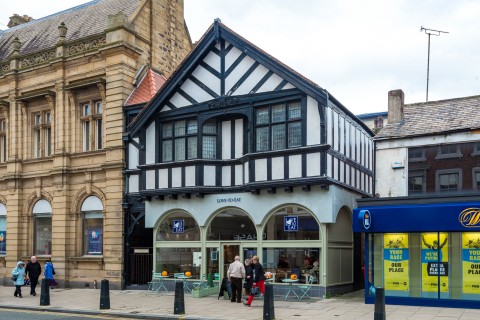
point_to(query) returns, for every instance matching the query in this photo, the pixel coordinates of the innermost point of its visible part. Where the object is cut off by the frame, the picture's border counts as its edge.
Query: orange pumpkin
(268, 275)
(188, 274)
(293, 277)
(164, 273)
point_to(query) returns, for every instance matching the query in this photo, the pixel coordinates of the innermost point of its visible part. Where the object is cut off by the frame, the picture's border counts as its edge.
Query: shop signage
(290, 223)
(366, 218)
(396, 261)
(471, 263)
(434, 261)
(228, 200)
(434, 269)
(178, 226)
(470, 218)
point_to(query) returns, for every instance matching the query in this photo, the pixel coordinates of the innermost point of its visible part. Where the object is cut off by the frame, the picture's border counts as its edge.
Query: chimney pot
(396, 100)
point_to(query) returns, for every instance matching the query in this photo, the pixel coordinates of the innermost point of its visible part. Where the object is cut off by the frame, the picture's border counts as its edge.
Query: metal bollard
(268, 307)
(379, 313)
(45, 294)
(179, 304)
(104, 295)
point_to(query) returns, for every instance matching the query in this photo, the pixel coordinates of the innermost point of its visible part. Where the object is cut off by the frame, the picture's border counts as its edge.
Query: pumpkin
(188, 274)
(293, 277)
(164, 273)
(268, 275)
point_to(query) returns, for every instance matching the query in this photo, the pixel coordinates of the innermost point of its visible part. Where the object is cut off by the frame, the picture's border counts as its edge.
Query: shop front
(422, 251)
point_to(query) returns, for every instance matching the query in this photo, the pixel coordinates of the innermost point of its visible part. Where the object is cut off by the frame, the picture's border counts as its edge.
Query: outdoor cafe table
(291, 288)
(159, 282)
(185, 286)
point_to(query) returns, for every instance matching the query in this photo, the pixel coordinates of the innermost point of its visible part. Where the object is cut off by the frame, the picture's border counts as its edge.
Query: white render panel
(165, 108)
(260, 169)
(226, 140)
(329, 165)
(328, 126)
(342, 134)
(133, 183)
(357, 145)
(195, 91)
(176, 177)
(335, 131)
(231, 56)
(251, 81)
(238, 138)
(313, 164)
(342, 171)
(357, 184)
(288, 86)
(347, 174)
(335, 168)
(190, 176)
(209, 176)
(278, 168)
(150, 179)
(133, 155)
(273, 81)
(226, 176)
(238, 72)
(207, 78)
(391, 182)
(313, 122)
(217, 45)
(295, 166)
(239, 175)
(150, 144)
(179, 101)
(163, 178)
(348, 127)
(213, 60)
(246, 173)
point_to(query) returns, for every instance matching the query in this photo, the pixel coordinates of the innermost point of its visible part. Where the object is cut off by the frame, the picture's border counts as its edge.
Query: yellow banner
(396, 258)
(471, 262)
(434, 261)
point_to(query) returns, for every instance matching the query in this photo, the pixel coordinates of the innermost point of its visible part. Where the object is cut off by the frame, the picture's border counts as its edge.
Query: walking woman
(18, 273)
(49, 272)
(258, 279)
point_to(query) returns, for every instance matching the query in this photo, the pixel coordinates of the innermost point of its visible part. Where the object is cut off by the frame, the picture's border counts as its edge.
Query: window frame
(174, 136)
(414, 174)
(441, 155)
(91, 118)
(439, 173)
(416, 159)
(41, 133)
(475, 170)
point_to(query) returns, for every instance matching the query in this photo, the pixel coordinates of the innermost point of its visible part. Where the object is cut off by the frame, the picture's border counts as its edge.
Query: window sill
(448, 156)
(87, 259)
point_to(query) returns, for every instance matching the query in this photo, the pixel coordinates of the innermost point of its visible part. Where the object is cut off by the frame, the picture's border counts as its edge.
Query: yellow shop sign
(470, 218)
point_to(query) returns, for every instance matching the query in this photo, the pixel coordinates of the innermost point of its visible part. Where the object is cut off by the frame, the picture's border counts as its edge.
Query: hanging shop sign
(178, 226)
(434, 261)
(290, 223)
(396, 260)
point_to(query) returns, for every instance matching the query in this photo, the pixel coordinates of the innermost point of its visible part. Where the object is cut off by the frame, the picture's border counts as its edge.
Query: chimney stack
(17, 20)
(395, 106)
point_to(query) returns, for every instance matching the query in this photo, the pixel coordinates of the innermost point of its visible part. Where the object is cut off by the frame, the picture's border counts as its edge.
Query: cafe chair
(305, 288)
(202, 283)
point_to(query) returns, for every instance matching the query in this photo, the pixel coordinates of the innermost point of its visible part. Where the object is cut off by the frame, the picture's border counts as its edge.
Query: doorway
(229, 251)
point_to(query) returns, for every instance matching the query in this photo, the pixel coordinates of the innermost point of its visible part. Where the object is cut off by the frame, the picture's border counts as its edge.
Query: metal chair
(305, 288)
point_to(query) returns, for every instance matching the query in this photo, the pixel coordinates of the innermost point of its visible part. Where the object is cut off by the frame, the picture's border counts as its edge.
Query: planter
(203, 292)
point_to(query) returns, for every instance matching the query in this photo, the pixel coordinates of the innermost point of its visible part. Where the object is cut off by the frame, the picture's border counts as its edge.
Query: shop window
(3, 229)
(42, 214)
(416, 154)
(92, 127)
(416, 182)
(3, 140)
(92, 213)
(179, 140)
(449, 180)
(179, 260)
(284, 262)
(178, 226)
(448, 151)
(278, 126)
(231, 224)
(292, 223)
(42, 134)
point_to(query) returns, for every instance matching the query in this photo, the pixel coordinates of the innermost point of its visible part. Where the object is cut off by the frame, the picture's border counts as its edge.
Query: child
(18, 273)
(49, 272)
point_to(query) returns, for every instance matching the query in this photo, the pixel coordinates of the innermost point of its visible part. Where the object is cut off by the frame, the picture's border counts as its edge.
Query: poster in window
(396, 260)
(434, 262)
(95, 236)
(3, 242)
(471, 263)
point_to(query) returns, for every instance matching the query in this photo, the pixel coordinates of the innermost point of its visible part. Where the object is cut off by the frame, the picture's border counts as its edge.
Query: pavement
(141, 304)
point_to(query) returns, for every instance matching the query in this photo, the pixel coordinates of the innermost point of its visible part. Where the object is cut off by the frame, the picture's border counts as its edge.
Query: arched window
(231, 224)
(42, 215)
(3, 229)
(292, 223)
(92, 211)
(178, 226)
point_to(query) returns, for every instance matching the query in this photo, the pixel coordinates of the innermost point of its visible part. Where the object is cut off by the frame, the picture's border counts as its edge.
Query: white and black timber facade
(236, 145)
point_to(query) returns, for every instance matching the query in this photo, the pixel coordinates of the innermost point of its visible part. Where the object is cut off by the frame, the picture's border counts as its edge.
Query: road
(9, 314)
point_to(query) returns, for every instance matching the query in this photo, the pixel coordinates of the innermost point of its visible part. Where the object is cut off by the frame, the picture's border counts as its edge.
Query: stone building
(64, 80)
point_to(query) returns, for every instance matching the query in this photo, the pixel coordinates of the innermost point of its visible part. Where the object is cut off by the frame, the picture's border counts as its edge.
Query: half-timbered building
(239, 154)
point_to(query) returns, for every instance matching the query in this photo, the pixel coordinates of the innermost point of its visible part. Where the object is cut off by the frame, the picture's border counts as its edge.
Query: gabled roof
(172, 95)
(82, 21)
(148, 86)
(435, 117)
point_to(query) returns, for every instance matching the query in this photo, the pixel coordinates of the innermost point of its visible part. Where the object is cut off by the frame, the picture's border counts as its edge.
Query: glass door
(229, 251)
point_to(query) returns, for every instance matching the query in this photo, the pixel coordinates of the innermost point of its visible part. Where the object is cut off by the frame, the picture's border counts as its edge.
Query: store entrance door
(229, 251)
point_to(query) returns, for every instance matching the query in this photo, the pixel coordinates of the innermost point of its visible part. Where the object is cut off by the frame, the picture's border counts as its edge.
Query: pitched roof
(82, 21)
(435, 117)
(148, 86)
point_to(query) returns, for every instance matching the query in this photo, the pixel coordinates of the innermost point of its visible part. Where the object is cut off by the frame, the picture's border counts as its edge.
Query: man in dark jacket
(33, 271)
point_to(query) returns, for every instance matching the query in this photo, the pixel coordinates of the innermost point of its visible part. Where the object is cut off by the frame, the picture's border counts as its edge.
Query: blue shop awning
(459, 216)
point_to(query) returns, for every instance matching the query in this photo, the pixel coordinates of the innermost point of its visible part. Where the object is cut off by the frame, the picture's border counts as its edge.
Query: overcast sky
(357, 50)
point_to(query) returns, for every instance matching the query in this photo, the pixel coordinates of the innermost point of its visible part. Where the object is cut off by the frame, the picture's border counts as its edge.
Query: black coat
(258, 272)
(248, 276)
(33, 270)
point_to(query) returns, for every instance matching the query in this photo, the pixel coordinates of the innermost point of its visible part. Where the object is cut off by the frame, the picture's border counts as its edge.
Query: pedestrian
(248, 277)
(49, 273)
(33, 271)
(18, 277)
(258, 279)
(236, 273)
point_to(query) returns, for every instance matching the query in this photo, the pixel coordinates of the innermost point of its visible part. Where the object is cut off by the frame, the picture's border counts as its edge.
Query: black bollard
(379, 313)
(45, 294)
(268, 307)
(104, 295)
(179, 304)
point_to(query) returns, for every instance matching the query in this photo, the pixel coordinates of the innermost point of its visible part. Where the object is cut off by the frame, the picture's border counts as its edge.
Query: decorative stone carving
(62, 31)
(86, 45)
(222, 103)
(4, 68)
(38, 58)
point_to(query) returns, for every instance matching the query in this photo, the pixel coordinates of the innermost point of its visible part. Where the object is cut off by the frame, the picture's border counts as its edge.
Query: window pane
(210, 127)
(180, 149)
(262, 116)
(43, 235)
(448, 182)
(278, 113)
(448, 149)
(283, 262)
(189, 232)
(415, 184)
(3, 235)
(38, 119)
(99, 134)
(48, 141)
(294, 134)
(92, 235)
(167, 130)
(86, 110)
(192, 147)
(177, 260)
(262, 139)
(477, 179)
(179, 128)
(48, 117)
(209, 147)
(278, 137)
(98, 107)
(294, 110)
(86, 136)
(167, 150)
(3, 148)
(192, 127)
(36, 143)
